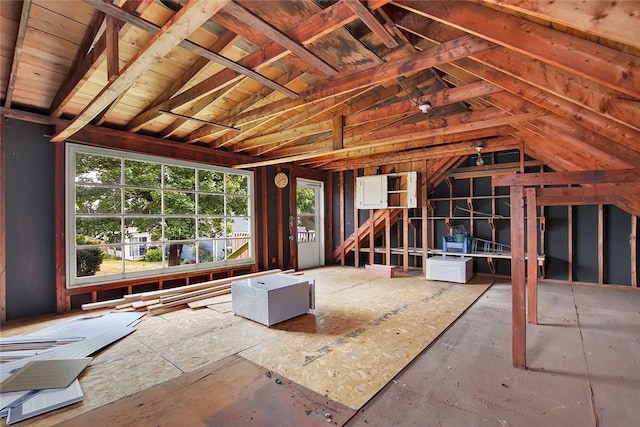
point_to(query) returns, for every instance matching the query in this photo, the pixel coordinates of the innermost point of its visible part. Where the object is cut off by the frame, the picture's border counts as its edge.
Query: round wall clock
(281, 179)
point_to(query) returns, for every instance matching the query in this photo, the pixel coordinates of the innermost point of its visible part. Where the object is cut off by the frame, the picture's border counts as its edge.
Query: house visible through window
(134, 215)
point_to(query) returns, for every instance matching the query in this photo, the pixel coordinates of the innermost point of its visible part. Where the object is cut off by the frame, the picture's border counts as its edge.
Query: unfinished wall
(571, 239)
(30, 228)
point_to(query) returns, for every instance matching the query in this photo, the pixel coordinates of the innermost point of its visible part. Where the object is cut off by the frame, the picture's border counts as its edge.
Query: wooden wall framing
(536, 196)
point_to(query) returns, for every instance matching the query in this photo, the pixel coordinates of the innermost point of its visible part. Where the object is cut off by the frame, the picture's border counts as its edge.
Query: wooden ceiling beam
(610, 20)
(384, 147)
(578, 115)
(222, 45)
(430, 149)
(405, 66)
(355, 102)
(224, 42)
(431, 153)
(577, 90)
(426, 129)
(113, 48)
(308, 31)
(87, 61)
(274, 34)
(593, 195)
(617, 156)
(150, 27)
(587, 177)
(563, 84)
(562, 160)
(311, 111)
(17, 52)
(257, 97)
(609, 67)
(408, 65)
(378, 130)
(370, 21)
(180, 26)
(437, 99)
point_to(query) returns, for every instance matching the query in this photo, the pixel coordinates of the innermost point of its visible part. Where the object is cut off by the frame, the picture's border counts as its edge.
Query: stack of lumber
(164, 300)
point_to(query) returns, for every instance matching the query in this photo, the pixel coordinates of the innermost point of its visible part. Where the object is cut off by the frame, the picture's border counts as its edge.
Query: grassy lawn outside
(112, 266)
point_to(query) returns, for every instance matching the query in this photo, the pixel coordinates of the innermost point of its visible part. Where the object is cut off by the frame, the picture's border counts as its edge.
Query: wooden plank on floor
(232, 391)
(379, 270)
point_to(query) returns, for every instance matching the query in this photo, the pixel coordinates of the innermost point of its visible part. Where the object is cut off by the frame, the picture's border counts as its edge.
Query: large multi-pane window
(134, 215)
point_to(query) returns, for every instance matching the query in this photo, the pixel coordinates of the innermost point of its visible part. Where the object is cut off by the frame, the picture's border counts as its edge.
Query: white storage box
(272, 299)
(450, 268)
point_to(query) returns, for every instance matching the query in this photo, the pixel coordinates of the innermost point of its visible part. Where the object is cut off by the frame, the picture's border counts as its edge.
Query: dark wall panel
(335, 193)
(503, 235)
(585, 244)
(30, 215)
(617, 251)
(350, 197)
(557, 243)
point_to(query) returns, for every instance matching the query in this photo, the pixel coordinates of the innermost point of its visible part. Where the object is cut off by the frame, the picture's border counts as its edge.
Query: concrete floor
(583, 366)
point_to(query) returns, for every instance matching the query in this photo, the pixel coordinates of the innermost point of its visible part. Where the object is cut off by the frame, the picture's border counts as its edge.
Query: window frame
(73, 281)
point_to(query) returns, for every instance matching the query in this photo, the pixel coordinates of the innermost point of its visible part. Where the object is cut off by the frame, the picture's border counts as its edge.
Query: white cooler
(450, 268)
(273, 298)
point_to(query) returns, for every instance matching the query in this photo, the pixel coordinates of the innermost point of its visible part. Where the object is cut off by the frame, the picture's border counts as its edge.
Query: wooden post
(405, 240)
(425, 222)
(518, 300)
(264, 191)
(372, 235)
(356, 224)
(387, 236)
(570, 242)
(600, 245)
(63, 300)
(328, 219)
(279, 215)
(633, 239)
(532, 256)
(343, 254)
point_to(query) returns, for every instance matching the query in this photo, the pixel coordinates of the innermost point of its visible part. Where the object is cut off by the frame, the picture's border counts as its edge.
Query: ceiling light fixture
(479, 160)
(425, 106)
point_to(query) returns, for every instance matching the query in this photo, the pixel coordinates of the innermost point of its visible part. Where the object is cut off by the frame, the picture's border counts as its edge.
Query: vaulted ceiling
(336, 85)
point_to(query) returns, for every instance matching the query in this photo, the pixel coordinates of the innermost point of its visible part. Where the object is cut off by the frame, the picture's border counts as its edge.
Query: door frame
(319, 218)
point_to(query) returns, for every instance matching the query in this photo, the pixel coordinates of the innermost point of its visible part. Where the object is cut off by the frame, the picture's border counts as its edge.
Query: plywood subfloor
(363, 332)
(583, 366)
(230, 392)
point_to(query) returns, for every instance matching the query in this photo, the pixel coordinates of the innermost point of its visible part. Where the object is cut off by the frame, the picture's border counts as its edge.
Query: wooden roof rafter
(122, 15)
(17, 51)
(443, 53)
(605, 20)
(307, 31)
(280, 38)
(180, 26)
(606, 66)
(370, 21)
(89, 57)
(578, 90)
